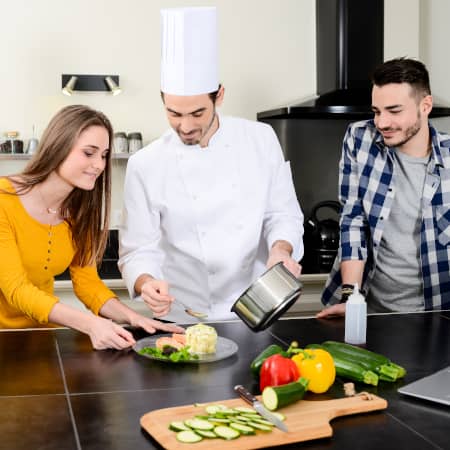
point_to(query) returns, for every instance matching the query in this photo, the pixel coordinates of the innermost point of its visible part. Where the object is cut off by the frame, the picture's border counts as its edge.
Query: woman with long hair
(54, 215)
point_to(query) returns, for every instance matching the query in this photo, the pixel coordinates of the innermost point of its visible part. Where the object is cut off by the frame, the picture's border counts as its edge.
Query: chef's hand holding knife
(281, 251)
(155, 294)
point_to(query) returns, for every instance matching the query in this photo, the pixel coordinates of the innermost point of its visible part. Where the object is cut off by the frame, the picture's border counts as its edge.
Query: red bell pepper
(278, 370)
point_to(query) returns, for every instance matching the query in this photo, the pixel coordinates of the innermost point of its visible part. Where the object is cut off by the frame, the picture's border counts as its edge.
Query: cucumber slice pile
(221, 422)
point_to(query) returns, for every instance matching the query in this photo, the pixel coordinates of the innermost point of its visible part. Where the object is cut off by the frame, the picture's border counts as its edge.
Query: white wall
(267, 56)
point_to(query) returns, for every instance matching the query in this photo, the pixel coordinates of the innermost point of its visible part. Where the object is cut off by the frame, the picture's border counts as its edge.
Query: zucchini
(188, 437)
(275, 397)
(206, 433)
(178, 426)
(245, 410)
(226, 432)
(260, 426)
(199, 424)
(347, 368)
(256, 364)
(370, 360)
(243, 429)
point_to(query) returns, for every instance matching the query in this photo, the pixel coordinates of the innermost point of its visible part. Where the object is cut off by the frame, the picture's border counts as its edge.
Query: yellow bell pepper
(318, 367)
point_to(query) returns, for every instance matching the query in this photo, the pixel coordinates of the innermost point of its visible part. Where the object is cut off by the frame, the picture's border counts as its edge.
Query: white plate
(224, 349)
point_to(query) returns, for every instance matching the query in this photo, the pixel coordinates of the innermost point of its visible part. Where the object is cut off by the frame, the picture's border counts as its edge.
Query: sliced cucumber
(199, 424)
(218, 420)
(263, 421)
(207, 434)
(226, 432)
(250, 416)
(242, 418)
(243, 429)
(213, 409)
(259, 426)
(188, 437)
(245, 409)
(178, 426)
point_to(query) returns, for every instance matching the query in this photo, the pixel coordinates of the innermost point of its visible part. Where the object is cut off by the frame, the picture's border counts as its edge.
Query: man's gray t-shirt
(397, 282)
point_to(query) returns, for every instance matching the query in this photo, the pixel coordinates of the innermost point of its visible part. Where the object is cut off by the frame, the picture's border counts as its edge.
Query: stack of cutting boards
(305, 420)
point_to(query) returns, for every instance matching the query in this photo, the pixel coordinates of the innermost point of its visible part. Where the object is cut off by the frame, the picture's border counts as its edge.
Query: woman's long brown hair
(87, 212)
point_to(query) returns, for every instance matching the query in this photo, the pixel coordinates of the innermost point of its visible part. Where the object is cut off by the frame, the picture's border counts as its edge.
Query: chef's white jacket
(203, 219)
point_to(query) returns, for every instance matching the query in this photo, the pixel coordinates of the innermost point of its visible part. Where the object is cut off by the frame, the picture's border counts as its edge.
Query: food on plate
(167, 344)
(201, 338)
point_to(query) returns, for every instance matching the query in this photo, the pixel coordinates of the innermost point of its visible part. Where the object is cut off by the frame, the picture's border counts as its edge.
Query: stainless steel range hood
(349, 40)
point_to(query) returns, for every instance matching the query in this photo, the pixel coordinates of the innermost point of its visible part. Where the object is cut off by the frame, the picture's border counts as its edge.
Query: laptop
(435, 387)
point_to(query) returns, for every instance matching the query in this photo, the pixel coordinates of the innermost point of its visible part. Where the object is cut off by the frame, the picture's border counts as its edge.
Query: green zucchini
(261, 426)
(275, 397)
(243, 429)
(178, 425)
(226, 432)
(256, 364)
(370, 360)
(188, 437)
(199, 424)
(347, 368)
(206, 433)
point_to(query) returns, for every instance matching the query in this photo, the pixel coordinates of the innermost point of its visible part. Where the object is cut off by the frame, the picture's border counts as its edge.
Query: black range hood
(349, 40)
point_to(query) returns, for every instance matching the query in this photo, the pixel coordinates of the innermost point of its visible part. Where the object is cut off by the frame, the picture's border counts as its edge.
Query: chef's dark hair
(404, 70)
(211, 95)
(86, 212)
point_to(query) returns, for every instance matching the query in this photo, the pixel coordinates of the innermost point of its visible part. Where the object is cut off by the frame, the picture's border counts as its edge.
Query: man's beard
(410, 132)
(197, 141)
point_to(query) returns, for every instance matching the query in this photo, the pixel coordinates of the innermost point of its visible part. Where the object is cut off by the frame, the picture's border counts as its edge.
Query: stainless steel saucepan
(271, 295)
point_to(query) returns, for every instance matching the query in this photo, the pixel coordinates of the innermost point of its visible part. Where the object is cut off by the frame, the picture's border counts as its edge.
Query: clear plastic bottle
(355, 318)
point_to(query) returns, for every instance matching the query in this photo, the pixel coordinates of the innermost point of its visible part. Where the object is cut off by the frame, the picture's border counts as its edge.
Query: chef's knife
(249, 398)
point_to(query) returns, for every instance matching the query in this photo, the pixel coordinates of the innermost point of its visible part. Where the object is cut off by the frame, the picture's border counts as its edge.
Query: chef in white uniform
(210, 204)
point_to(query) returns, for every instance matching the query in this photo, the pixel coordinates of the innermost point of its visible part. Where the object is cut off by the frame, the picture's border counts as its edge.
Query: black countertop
(57, 393)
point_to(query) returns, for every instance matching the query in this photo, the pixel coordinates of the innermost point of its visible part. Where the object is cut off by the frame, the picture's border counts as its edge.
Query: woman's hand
(104, 334)
(332, 311)
(151, 326)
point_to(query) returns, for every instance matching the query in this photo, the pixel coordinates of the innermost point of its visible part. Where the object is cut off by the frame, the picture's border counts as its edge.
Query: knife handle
(245, 394)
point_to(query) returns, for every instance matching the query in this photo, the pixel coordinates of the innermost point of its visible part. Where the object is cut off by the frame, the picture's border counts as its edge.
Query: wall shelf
(24, 156)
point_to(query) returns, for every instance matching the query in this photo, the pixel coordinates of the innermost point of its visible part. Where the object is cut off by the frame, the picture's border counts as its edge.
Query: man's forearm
(352, 271)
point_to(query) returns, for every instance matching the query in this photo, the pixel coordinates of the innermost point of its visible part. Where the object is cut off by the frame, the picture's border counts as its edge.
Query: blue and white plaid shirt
(367, 189)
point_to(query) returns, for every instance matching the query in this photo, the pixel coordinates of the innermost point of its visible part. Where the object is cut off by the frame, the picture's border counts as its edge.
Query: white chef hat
(189, 51)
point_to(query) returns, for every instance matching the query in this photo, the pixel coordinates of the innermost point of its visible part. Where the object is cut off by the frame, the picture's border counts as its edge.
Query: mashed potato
(201, 338)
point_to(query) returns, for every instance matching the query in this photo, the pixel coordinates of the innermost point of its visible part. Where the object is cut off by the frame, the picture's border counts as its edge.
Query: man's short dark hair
(403, 70)
(212, 95)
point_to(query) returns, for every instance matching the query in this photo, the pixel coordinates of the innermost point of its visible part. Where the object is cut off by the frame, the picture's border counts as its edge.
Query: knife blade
(252, 400)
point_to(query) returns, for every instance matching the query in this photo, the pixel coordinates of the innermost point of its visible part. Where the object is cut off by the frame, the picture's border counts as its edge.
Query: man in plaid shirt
(395, 195)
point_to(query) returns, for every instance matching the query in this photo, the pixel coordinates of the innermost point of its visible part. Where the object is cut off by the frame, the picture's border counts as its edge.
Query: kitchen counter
(57, 393)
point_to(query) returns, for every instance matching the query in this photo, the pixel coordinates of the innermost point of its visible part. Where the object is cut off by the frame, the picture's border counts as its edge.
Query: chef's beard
(202, 135)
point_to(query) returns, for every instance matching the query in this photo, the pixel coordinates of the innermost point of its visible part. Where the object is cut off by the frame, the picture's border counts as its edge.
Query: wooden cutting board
(305, 420)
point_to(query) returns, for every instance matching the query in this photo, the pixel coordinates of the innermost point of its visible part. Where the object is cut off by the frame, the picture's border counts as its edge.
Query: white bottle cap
(356, 296)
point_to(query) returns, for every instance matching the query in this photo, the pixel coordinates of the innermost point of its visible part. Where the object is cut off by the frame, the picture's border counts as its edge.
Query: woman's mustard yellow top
(31, 254)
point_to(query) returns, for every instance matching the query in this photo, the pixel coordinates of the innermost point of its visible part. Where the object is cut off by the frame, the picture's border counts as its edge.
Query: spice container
(120, 142)
(134, 142)
(11, 144)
